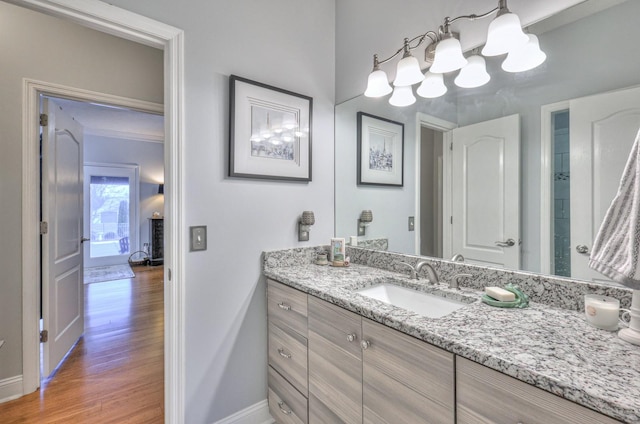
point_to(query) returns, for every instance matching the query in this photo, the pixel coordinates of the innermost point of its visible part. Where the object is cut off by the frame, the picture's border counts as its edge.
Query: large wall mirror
(532, 200)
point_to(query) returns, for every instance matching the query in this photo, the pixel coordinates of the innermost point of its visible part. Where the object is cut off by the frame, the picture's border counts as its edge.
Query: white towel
(615, 250)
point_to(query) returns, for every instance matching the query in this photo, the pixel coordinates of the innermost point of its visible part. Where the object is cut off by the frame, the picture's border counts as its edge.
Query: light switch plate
(198, 238)
(412, 225)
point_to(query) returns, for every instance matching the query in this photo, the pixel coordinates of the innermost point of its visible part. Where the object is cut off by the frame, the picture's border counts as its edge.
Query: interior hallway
(115, 374)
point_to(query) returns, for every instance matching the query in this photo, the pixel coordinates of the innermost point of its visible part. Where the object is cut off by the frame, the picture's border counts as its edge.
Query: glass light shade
(526, 57)
(432, 86)
(474, 74)
(378, 84)
(408, 72)
(402, 96)
(505, 34)
(448, 56)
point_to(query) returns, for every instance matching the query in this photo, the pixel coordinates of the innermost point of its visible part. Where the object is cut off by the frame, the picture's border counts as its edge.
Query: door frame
(546, 181)
(134, 208)
(122, 23)
(428, 121)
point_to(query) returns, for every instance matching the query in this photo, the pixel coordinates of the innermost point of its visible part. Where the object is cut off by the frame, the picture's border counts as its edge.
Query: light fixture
(432, 86)
(304, 225)
(444, 54)
(474, 74)
(402, 96)
(408, 69)
(526, 57)
(366, 218)
(160, 188)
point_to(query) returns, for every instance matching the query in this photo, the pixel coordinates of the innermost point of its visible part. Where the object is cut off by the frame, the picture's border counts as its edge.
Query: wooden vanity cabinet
(486, 396)
(364, 372)
(288, 373)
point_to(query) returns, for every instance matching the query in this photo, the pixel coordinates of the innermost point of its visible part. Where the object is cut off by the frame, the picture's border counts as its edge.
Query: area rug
(99, 274)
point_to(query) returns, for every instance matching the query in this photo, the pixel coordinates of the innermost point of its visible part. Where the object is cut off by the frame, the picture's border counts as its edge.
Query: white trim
(546, 182)
(10, 388)
(122, 23)
(124, 135)
(257, 413)
(424, 120)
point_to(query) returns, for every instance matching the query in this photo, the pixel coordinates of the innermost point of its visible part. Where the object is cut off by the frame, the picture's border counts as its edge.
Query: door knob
(83, 239)
(582, 249)
(510, 242)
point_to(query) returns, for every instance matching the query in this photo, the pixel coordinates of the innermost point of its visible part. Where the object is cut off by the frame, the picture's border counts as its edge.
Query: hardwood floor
(115, 374)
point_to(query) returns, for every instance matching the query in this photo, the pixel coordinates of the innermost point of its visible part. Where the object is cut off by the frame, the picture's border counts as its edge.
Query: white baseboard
(255, 414)
(11, 388)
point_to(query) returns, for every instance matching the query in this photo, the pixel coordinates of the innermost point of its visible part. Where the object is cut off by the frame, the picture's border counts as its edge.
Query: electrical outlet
(198, 238)
(412, 224)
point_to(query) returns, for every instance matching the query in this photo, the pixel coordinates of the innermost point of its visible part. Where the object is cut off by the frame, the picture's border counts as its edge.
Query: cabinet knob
(281, 405)
(284, 354)
(351, 337)
(365, 344)
(582, 249)
(284, 306)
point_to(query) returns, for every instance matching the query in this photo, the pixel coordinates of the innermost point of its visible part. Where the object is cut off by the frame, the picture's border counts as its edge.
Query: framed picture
(380, 151)
(337, 248)
(269, 132)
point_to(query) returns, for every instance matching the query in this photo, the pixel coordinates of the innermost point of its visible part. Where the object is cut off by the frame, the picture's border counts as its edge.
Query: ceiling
(115, 122)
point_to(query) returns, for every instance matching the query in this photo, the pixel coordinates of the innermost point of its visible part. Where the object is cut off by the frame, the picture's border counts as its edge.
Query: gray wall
(288, 44)
(48, 49)
(149, 157)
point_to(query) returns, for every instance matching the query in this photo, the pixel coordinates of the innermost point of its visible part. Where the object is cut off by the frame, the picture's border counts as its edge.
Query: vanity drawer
(286, 404)
(288, 355)
(287, 306)
(487, 396)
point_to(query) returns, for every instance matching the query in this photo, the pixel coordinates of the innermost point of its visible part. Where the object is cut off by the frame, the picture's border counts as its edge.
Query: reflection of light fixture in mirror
(526, 57)
(160, 188)
(474, 74)
(402, 96)
(304, 225)
(366, 218)
(444, 54)
(432, 86)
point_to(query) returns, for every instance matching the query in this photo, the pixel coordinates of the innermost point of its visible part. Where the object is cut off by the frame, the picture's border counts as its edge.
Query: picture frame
(337, 247)
(269, 132)
(380, 151)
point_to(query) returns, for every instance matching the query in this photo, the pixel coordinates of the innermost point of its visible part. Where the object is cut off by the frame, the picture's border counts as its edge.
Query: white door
(110, 213)
(486, 192)
(602, 130)
(62, 273)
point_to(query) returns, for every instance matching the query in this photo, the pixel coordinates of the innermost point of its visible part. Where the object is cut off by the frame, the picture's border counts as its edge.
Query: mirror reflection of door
(111, 207)
(431, 196)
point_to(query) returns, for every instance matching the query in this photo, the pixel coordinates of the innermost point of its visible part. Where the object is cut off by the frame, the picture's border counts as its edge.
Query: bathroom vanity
(338, 356)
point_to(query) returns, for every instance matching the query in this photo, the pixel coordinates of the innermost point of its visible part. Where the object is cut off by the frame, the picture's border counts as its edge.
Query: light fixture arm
(406, 47)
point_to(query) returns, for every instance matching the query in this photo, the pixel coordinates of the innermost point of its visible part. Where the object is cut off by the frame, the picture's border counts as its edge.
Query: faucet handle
(454, 282)
(414, 273)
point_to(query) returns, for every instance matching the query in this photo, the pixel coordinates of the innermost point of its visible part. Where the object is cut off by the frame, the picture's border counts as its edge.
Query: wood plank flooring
(115, 374)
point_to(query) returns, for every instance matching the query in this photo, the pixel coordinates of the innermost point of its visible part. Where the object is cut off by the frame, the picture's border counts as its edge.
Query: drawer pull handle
(284, 306)
(284, 354)
(351, 337)
(284, 411)
(365, 344)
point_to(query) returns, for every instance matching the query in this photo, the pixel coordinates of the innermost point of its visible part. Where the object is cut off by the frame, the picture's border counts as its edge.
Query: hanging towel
(615, 250)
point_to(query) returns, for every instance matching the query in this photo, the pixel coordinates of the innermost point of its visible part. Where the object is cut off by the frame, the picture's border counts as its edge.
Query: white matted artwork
(270, 132)
(380, 151)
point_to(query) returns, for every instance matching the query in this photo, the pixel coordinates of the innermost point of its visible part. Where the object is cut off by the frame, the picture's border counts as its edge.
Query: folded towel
(616, 248)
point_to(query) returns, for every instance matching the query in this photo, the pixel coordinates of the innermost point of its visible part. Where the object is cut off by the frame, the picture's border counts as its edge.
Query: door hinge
(451, 220)
(44, 227)
(44, 336)
(44, 119)
(451, 146)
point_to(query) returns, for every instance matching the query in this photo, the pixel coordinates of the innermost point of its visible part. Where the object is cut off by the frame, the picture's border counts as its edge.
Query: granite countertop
(551, 348)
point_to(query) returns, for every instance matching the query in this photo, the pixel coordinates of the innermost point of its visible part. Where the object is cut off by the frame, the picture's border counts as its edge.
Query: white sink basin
(429, 305)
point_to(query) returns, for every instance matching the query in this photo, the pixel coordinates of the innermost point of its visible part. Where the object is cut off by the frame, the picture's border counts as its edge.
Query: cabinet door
(485, 396)
(335, 364)
(405, 379)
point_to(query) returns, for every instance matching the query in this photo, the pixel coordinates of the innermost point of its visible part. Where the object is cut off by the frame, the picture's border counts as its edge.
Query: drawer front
(287, 306)
(405, 379)
(286, 404)
(338, 326)
(288, 355)
(488, 396)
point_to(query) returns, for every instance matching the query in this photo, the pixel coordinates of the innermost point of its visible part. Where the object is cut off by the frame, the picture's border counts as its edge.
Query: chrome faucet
(457, 258)
(413, 272)
(432, 275)
(454, 282)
